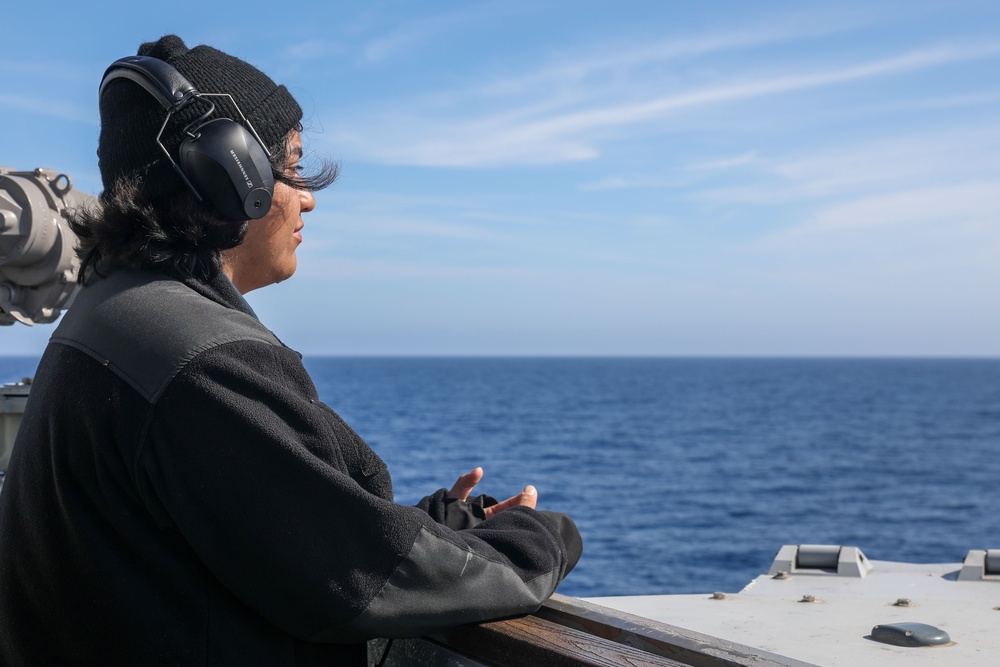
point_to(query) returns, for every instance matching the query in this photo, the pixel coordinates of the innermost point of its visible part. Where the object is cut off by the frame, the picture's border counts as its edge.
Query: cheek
(273, 225)
(282, 200)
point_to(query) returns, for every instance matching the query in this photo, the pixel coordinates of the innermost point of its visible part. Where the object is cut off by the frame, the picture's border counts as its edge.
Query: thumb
(529, 497)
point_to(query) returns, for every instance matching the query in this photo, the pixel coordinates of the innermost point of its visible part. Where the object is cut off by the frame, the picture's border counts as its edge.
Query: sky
(593, 178)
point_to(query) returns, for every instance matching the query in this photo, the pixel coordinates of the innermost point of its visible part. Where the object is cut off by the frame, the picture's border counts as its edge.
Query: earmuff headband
(225, 160)
(157, 77)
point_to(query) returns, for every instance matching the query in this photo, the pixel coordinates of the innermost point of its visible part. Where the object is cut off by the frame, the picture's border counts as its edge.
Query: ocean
(687, 475)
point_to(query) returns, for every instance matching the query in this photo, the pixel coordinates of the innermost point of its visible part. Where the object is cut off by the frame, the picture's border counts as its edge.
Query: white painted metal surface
(773, 613)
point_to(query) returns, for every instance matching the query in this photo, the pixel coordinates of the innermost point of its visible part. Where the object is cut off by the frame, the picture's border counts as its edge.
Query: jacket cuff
(454, 513)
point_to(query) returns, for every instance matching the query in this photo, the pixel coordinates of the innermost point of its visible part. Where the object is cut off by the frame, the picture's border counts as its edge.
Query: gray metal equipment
(38, 265)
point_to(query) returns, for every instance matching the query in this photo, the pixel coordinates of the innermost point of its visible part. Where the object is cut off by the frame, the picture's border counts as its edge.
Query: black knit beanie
(131, 117)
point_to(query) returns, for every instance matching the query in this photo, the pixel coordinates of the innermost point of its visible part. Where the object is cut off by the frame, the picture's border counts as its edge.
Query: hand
(464, 485)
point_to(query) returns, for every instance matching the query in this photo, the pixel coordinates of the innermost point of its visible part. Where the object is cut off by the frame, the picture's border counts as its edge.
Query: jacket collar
(222, 290)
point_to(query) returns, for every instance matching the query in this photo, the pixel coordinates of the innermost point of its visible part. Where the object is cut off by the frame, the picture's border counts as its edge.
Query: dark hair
(176, 235)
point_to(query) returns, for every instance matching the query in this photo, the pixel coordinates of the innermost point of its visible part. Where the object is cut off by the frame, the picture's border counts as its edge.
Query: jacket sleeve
(274, 494)
(464, 514)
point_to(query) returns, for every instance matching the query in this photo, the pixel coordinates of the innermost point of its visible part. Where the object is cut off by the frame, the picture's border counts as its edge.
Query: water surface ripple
(687, 475)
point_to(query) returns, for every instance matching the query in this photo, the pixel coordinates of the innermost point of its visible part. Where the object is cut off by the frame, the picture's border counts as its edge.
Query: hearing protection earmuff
(218, 159)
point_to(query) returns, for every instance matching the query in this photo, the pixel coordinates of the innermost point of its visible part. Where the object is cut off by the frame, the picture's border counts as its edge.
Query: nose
(307, 201)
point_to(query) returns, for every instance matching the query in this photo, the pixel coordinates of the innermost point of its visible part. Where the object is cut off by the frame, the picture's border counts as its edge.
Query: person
(178, 494)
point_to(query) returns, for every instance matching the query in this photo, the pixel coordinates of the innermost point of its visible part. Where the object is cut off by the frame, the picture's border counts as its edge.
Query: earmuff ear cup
(227, 165)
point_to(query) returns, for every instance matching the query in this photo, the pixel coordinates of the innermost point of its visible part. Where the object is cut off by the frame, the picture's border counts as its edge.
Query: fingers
(464, 485)
(527, 498)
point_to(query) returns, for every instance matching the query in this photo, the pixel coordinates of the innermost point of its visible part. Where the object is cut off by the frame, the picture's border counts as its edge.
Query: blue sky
(631, 178)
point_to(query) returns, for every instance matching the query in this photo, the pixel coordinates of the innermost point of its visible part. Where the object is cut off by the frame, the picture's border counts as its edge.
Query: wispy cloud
(867, 165)
(61, 71)
(521, 135)
(49, 88)
(611, 183)
(655, 181)
(725, 163)
(951, 101)
(600, 64)
(947, 207)
(361, 223)
(397, 226)
(616, 61)
(414, 33)
(312, 49)
(54, 108)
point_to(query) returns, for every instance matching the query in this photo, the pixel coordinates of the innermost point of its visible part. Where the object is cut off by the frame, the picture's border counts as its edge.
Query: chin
(285, 275)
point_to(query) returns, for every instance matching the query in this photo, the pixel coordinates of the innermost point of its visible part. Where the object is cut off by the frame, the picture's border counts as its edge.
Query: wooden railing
(567, 632)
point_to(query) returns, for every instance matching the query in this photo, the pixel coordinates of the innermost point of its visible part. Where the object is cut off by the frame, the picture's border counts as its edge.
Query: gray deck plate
(769, 614)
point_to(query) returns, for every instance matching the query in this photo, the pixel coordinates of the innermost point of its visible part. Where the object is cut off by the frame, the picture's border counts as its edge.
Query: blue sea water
(687, 475)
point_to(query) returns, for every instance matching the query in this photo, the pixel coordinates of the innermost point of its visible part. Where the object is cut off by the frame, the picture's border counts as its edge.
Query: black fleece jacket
(179, 495)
